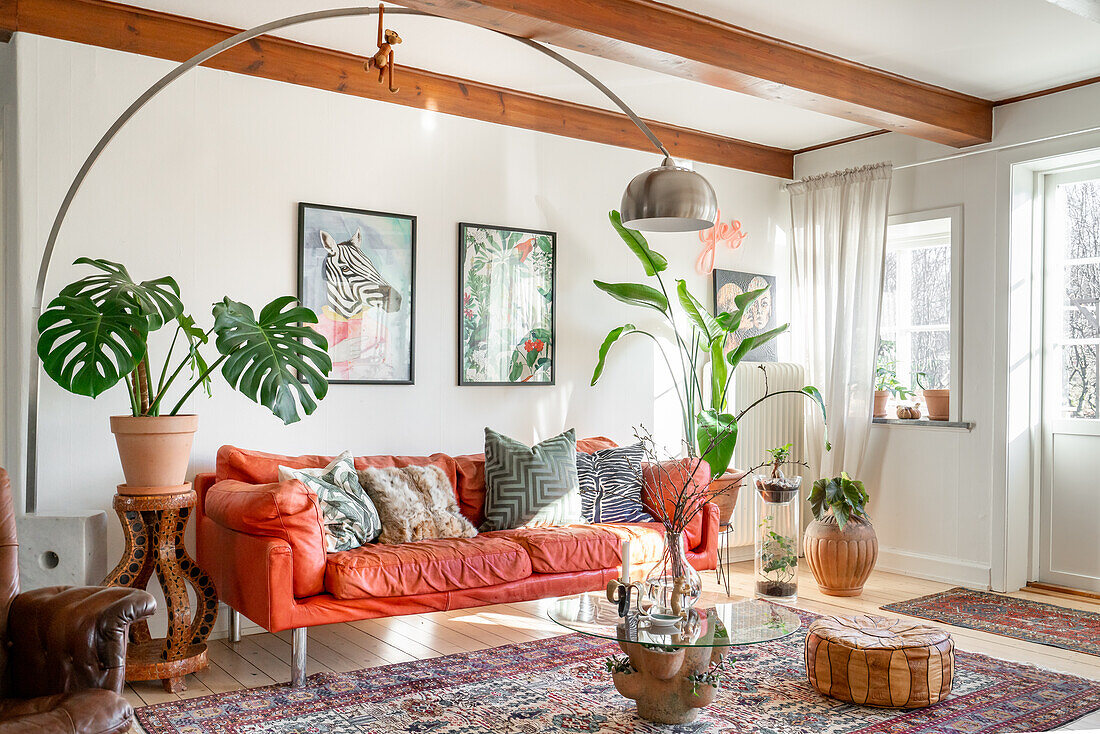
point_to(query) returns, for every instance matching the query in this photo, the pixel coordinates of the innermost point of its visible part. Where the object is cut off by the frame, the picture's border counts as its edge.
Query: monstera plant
(709, 423)
(95, 334)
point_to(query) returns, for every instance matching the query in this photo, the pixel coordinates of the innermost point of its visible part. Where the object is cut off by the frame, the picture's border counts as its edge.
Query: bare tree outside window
(916, 300)
(1079, 208)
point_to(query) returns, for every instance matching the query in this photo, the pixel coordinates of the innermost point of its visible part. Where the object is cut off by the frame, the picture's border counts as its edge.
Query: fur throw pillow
(415, 503)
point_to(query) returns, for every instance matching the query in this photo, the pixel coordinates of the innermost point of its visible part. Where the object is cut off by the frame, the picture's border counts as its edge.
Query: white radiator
(775, 422)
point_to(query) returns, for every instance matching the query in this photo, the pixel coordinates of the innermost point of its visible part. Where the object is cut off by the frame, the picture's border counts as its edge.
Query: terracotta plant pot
(154, 450)
(729, 484)
(938, 403)
(841, 560)
(880, 403)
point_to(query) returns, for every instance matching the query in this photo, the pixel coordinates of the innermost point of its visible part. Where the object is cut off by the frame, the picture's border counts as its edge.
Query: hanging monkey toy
(383, 59)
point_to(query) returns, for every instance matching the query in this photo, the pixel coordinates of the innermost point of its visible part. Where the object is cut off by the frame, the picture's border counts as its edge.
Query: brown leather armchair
(63, 661)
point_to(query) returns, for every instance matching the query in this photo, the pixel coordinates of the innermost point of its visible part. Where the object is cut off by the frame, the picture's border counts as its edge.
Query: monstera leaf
(88, 347)
(158, 300)
(263, 354)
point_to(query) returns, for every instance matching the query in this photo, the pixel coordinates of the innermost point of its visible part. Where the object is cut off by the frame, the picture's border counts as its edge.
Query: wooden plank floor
(263, 659)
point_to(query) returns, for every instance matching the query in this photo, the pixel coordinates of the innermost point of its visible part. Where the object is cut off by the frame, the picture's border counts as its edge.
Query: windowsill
(924, 423)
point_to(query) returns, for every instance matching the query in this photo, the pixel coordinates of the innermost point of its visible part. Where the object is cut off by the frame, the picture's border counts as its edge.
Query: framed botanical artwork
(356, 271)
(760, 316)
(506, 305)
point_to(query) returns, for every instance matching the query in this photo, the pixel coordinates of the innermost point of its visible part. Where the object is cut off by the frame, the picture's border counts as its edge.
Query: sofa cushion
(470, 485)
(663, 484)
(258, 467)
(531, 485)
(428, 566)
(611, 485)
(573, 548)
(415, 503)
(283, 510)
(350, 517)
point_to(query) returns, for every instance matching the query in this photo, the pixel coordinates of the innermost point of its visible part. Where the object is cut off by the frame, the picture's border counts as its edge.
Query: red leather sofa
(261, 541)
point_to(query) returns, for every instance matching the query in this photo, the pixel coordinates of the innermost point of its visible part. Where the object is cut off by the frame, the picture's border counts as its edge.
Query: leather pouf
(875, 661)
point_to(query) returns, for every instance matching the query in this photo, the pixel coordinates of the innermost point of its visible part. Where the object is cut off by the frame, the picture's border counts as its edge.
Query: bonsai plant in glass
(709, 424)
(937, 400)
(777, 527)
(840, 544)
(95, 334)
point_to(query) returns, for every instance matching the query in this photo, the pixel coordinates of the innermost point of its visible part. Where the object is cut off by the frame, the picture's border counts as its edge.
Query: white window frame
(955, 215)
(1052, 318)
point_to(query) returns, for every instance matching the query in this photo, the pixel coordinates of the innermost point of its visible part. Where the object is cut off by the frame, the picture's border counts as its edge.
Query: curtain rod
(996, 148)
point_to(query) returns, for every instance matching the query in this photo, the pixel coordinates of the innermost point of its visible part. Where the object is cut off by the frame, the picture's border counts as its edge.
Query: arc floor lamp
(668, 198)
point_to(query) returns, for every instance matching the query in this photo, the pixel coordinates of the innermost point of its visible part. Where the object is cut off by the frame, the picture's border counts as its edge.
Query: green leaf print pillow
(349, 516)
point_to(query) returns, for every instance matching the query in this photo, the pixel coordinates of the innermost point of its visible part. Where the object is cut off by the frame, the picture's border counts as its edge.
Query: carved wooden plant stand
(661, 682)
(154, 526)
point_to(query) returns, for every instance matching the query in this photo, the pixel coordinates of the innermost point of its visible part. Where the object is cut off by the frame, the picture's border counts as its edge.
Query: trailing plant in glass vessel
(95, 335)
(841, 498)
(710, 427)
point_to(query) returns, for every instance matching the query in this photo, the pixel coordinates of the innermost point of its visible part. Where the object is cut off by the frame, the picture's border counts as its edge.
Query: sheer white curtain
(839, 236)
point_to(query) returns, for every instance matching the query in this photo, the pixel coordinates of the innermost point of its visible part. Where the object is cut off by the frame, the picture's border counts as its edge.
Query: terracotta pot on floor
(154, 451)
(880, 403)
(729, 484)
(938, 403)
(841, 559)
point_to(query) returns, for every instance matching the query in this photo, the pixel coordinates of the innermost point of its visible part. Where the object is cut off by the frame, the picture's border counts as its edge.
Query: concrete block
(62, 551)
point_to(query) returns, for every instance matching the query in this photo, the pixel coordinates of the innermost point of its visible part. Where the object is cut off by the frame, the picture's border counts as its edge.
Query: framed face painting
(356, 272)
(758, 318)
(506, 305)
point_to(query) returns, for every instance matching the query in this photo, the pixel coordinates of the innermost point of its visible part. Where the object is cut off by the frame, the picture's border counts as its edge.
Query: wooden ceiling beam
(151, 33)
(663, 38)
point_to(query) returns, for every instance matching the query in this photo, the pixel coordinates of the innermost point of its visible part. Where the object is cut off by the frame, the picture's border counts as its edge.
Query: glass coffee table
(671, 672)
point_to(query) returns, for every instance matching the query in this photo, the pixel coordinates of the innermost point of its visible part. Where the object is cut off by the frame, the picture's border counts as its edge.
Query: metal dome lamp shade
(669, 198)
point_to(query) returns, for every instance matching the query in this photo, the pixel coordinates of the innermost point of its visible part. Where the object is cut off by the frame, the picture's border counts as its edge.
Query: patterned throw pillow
(530, 486)
(349, 515)
(611, 485)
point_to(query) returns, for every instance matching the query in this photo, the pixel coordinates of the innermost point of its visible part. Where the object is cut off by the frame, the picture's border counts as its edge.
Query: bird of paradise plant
(709, 425)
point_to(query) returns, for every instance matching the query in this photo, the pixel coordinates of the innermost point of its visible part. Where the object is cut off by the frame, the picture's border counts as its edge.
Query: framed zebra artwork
(356, 271)
(506, 285)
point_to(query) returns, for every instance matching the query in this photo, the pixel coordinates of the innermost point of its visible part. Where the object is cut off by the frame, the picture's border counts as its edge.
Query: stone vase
(841, 560)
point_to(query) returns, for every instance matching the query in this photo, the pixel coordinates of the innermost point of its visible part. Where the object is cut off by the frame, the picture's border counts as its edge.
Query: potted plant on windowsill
(709, 423)
(937, 400)
(886, 384)
(95, 335)
(840, 544)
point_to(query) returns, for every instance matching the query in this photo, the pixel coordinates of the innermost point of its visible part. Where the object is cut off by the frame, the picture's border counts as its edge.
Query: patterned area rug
(1022, 619)
(560, 685)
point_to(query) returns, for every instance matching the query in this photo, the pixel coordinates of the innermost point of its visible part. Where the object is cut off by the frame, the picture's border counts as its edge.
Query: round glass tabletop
(710, 624)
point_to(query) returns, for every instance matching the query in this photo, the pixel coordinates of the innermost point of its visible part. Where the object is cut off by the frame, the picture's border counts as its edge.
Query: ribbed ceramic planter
(841, 560)
(154, 451)
(726, 489)
(938, 403)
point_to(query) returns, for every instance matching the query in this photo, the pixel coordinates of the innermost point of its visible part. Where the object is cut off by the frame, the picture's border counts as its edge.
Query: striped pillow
(611, 485)
(529, 487)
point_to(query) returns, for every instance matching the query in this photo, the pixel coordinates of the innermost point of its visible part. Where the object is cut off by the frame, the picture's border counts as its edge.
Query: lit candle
(626, 562)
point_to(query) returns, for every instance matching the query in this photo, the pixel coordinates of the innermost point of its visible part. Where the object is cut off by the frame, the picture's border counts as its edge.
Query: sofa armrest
(70, 638)
(284, 511)
(252, 574)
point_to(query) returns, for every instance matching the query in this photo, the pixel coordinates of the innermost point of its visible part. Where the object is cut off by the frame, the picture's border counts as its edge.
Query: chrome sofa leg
(298, 658)
(234, 625)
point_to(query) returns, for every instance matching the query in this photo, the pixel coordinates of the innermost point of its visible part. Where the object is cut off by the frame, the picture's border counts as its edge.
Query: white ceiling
(989, 48)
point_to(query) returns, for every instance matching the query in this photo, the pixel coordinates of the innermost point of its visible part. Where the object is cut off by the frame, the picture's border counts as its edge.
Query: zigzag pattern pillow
(611, 485)
(530, 486)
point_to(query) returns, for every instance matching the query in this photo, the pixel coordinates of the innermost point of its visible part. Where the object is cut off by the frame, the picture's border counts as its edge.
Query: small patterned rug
(1022, 619)
(560, 685)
